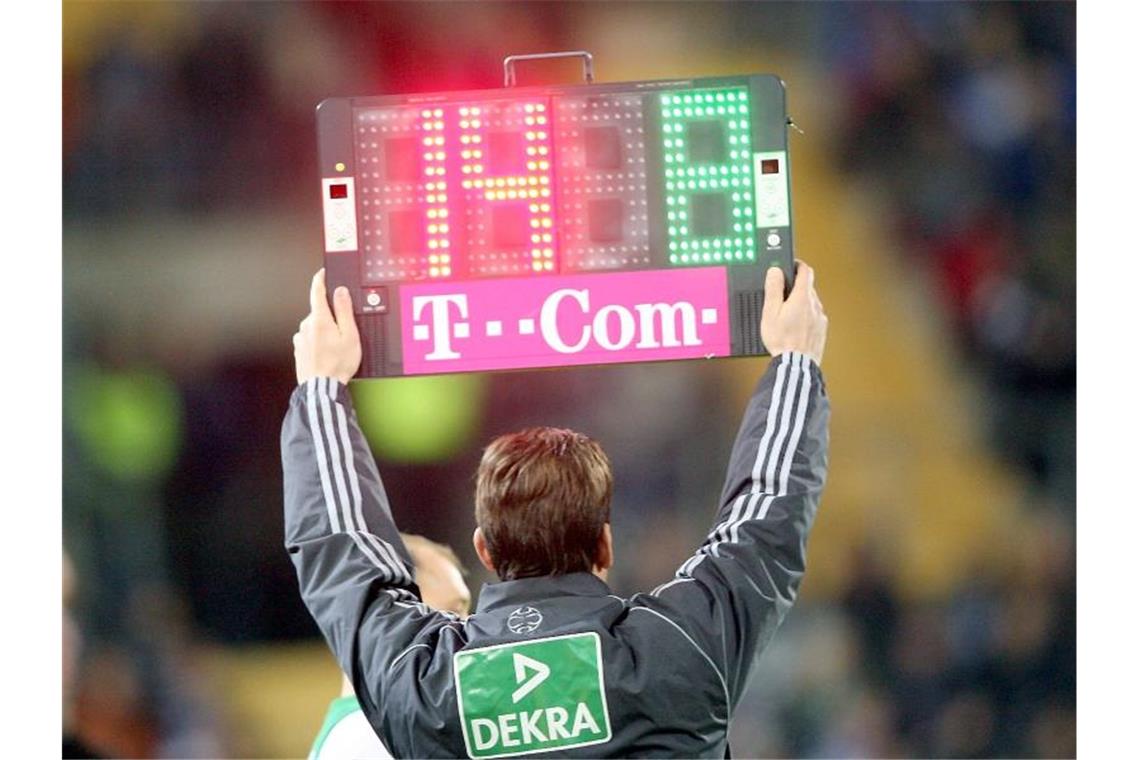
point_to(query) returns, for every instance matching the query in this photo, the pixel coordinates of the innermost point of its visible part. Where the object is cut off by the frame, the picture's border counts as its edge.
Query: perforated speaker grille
(373, 347)
(748, 305)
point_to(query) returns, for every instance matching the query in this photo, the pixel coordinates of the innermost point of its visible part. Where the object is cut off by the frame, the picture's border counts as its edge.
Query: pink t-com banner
(561, 321)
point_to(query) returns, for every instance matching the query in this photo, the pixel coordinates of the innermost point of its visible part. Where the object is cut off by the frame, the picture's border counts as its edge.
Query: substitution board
(559, 225)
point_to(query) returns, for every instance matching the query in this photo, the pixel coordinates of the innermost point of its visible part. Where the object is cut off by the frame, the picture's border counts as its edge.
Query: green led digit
(708, 176)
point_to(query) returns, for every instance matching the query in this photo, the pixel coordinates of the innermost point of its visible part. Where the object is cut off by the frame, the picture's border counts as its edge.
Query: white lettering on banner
(602, 327)
(556, 718)
(523, 665)
(548, 320)
(583, 720)
(441, 322)
(668, 325)
(627, 327)
(509, 729)
(530, 730)
(505, 727)
(490, 739)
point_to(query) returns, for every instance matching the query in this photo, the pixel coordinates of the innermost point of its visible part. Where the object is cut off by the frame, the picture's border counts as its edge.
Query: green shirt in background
(347, 735)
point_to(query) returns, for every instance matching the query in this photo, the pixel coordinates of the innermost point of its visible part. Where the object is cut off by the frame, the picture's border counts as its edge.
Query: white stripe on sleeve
(322, 464)
(772, 467)
(382, 546)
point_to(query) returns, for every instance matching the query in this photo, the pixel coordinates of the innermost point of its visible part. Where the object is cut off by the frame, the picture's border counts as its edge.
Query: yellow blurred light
(419, 419)
(129, 423)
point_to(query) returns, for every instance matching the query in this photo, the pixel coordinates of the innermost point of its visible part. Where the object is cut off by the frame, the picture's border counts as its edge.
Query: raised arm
(355, 575)
(734, 591)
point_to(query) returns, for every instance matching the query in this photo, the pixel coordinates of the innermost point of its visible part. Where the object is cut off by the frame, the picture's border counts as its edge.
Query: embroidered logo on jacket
(524, 620)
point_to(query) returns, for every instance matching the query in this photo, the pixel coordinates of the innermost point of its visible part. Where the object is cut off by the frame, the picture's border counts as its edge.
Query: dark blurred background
(934, 192)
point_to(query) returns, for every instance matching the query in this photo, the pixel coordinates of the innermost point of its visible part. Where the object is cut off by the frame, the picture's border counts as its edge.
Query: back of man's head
(542, 501)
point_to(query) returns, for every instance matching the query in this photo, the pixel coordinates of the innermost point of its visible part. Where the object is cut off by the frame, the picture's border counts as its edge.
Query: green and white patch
(533, 696)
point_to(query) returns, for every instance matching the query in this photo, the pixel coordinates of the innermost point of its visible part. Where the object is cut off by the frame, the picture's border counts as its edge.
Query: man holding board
(551, 659)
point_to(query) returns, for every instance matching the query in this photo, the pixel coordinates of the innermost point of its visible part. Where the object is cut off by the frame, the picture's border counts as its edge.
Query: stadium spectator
(73, 746)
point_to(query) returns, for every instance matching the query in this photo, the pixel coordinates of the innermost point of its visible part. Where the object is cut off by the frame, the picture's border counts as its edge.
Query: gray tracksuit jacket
(556, 664)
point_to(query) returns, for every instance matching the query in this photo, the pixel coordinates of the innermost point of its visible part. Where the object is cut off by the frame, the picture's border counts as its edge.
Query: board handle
(509, 78)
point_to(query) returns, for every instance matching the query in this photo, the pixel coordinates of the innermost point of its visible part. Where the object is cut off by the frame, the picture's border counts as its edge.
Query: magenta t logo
(558, 321)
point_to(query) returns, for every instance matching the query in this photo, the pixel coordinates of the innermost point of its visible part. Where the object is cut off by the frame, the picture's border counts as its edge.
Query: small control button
(773, 240)
(373, 299)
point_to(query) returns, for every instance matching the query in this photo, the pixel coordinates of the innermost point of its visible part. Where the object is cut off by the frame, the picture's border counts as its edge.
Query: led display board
(557, 225)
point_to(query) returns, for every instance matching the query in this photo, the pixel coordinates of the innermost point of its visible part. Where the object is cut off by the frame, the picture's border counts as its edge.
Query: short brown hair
(542, 499)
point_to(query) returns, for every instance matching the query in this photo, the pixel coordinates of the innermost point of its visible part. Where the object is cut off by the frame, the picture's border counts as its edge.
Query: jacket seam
(400, 656)
(709, 660)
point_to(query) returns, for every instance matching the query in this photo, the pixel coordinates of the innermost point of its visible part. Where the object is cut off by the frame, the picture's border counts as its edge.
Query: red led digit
(438, 226)
(530, 187)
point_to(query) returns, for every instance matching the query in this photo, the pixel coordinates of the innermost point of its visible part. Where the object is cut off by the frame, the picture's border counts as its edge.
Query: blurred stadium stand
(934, 192)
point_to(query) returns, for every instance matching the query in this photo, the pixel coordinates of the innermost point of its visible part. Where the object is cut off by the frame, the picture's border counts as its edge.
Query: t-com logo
(558, 321)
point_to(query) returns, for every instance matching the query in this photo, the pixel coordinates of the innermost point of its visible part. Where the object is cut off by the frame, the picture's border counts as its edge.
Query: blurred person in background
(346, 733)
(73, 746)
(663, 681)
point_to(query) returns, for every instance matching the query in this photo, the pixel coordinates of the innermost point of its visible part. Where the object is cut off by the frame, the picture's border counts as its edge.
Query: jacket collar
(514, 593)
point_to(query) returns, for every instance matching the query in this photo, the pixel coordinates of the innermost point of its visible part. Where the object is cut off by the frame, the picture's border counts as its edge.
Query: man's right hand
(327, 344)
(797, 324)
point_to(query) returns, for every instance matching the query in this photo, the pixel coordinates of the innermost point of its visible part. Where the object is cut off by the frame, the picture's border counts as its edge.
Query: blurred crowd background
(934, 192)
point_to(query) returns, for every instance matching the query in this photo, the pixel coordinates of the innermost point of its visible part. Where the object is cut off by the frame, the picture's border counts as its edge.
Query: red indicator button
(338, 191)
(770, 166)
